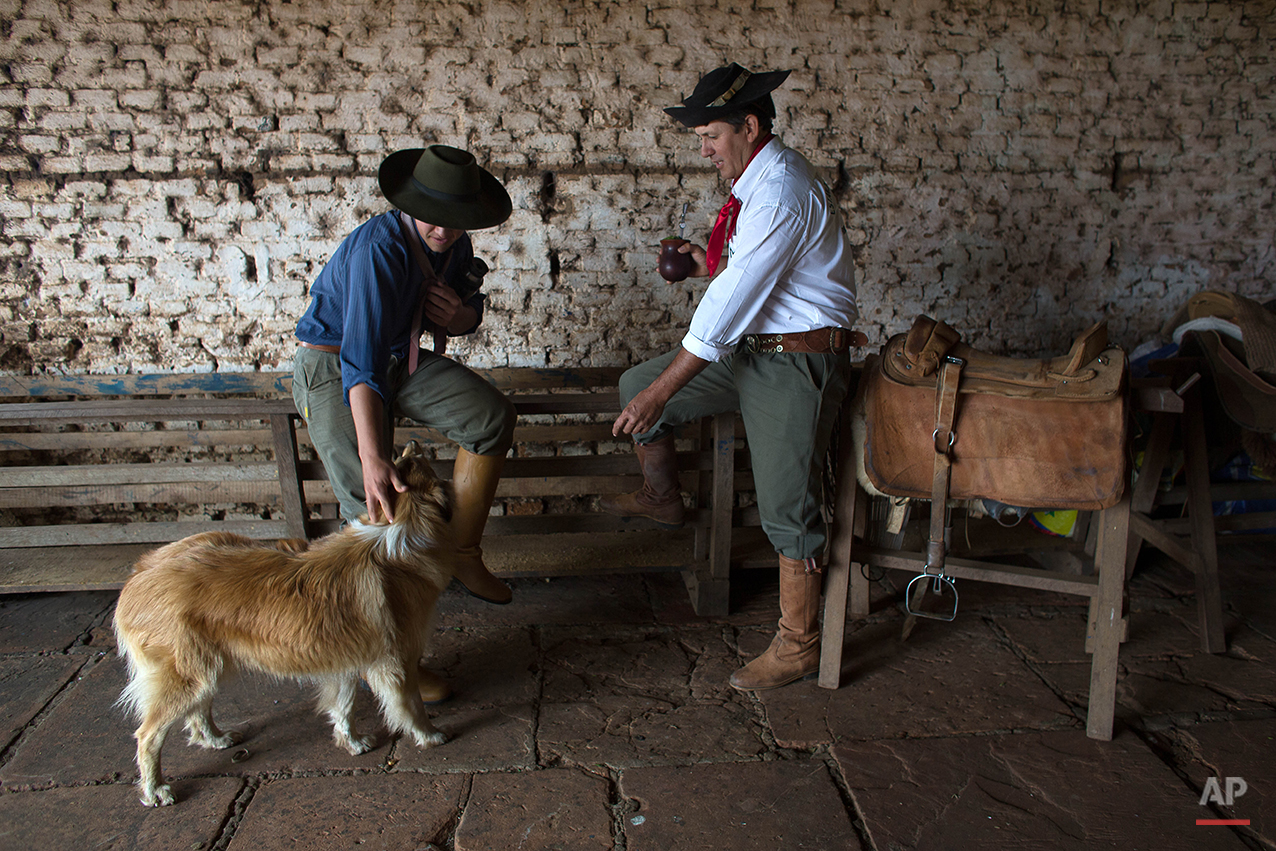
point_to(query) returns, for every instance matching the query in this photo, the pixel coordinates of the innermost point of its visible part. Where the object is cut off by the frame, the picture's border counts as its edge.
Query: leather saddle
(946, 421)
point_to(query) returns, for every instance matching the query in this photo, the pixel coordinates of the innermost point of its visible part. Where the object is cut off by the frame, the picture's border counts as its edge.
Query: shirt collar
(747, 182)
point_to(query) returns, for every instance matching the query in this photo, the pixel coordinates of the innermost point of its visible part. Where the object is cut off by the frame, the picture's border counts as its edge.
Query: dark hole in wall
(555, 266)
(245, 180)
(250, 267)
(549, 189)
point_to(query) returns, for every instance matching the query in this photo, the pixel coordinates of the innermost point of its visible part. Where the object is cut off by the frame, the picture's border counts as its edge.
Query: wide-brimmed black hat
(724, 91)
(444, 186)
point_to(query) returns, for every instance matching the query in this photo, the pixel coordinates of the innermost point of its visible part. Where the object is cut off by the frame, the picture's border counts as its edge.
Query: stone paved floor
(594, 714)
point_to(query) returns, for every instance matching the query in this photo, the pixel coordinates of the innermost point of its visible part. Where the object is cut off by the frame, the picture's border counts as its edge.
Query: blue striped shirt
(366, 294)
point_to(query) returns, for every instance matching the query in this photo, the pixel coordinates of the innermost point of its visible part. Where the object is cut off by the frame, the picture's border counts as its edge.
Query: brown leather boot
(474, 480)
(660, 497)
(795, 651)
(433, 688)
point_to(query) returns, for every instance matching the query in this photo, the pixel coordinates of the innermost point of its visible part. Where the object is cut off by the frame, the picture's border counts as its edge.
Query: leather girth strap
(944, 438)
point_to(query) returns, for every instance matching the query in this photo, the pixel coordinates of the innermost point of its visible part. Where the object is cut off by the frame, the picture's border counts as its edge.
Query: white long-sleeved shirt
(789, 264)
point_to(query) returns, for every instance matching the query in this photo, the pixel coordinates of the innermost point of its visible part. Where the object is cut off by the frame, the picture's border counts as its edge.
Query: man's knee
(493, 433)
(632, 382)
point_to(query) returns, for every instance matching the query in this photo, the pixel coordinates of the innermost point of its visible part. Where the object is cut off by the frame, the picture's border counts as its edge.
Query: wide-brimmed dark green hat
(724, 91)
(444, 186)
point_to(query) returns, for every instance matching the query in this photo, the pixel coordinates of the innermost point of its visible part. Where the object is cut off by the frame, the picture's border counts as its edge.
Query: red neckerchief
(724, 227)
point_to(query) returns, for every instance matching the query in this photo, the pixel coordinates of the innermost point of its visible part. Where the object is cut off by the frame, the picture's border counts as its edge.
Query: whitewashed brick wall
(176, 173)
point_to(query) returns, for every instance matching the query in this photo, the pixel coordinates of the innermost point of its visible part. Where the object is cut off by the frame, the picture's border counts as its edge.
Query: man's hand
(380, 478)
(641, 414)
(699, 257)
(441, 304)
(644, 410)
(381, 482)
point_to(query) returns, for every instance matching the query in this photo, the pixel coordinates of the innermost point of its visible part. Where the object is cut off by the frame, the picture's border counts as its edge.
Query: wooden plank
(167, 493)
(508, 379)
(1108, 608)
(546, 523)
(1156, 534)
(142, 410)
(565, 403)
(1200, 510)
(155, 384)
(838, 566)
(71, 534)
(522, 378)
(155, 438)
(116, 474)
(513, 488)
(285, 440)
(722, 496)
(1001, 574)
(93, 568)
(68, 441)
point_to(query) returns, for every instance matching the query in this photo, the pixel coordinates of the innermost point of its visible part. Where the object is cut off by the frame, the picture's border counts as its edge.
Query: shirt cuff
(705, 351)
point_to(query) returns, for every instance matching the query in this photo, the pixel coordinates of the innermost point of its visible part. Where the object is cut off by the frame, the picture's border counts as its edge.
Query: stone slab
(618, 599)
(485, 666)
(1241, 749)
(86, 738)
(1052, 790)
(1203, 685)
(950, 679)
(1060, 636)
(485, 738)
(750, 806)
(624, 698)
(26, 686)
(111, 818)
(556, 809)
(33, 623)
(376, 812)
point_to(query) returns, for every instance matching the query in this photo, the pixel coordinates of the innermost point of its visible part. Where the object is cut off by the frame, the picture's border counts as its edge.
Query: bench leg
(1108, 610)
(290, 487)
(710, 586)
(1200, 509)
(841, 574)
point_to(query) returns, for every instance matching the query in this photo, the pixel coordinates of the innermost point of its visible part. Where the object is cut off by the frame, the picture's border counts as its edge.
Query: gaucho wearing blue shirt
(364, 299)
(359, 364)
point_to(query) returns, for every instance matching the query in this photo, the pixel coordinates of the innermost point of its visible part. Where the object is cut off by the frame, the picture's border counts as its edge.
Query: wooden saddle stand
(944, 422)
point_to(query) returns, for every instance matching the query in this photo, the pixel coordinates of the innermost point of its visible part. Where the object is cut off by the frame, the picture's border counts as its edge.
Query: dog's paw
(228, 739)
(357, 744)
(160, 796)
(430, 739)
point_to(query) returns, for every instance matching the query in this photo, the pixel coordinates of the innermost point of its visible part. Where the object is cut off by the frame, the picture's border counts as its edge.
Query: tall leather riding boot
(795, 650)
(474, 482)
(660, 497)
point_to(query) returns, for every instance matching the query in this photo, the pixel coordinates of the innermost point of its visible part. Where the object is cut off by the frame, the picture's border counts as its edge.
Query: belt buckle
(751, 343)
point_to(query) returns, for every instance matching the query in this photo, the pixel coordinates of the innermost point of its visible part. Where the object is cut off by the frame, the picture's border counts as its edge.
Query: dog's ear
(412, 448)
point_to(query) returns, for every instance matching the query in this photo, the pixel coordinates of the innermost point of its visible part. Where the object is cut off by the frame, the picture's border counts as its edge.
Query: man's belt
(821, 341)
(320, 347)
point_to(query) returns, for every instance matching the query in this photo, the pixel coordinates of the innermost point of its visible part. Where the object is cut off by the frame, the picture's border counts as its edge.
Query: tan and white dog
(357, 603)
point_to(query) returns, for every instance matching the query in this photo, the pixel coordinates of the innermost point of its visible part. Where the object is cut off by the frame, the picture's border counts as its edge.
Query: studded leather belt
(320, 347)
(821, 341)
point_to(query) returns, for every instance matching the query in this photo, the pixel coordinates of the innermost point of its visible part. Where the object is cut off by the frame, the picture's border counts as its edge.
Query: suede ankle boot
(660, 497)
(795, 651)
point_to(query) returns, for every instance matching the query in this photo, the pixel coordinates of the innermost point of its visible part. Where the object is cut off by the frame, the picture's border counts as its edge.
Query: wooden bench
(98, 469)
